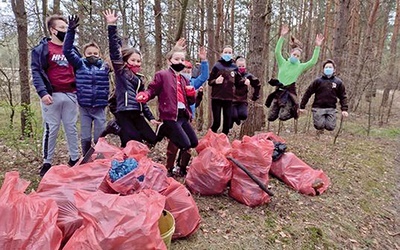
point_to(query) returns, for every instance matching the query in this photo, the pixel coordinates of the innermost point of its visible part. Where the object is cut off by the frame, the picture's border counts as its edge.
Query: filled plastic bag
(26, 221)
(218, 141)
(103, 150)
(182, 206)
(135, 149)
(118, 222)
(300, 176)
(209, 173)
(255, 155)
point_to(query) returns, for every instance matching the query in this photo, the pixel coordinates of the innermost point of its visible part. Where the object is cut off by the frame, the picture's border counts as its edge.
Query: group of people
(70, 84)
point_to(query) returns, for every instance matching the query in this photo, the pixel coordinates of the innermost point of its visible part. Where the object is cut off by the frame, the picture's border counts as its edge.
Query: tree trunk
(22, 29)
(200, 110)
(340, 35)
(258, 47)
(210, 50)
(181, 21)
(56, 7)
(219, 26)
(142, 34)
(158, 34)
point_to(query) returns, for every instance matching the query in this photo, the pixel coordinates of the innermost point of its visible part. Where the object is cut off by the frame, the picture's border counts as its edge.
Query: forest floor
(360, 210)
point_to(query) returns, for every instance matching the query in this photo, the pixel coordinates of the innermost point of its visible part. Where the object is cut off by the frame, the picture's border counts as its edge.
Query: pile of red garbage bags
(211, 172)
(81, 208)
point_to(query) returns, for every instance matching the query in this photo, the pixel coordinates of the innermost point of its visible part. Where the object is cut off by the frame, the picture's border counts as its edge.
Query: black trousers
(239, 112)
(226, 106)
(134, 127)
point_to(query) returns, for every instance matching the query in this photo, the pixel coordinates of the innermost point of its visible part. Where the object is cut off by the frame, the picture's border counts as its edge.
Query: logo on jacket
(232, 73)
(60, 60)
(334, 85)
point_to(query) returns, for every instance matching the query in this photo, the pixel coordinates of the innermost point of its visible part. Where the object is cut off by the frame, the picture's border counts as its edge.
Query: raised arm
(204, 72)
(69, 51)
(113, 40)
(279, 44)
(314, 59)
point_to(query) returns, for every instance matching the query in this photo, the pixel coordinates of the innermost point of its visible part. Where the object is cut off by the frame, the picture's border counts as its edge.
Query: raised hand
(111, 17)
(319, 39)
(203, 54)
(345, 114)
(219, 80)
(181, 43)
(284, 29)
(73, 22)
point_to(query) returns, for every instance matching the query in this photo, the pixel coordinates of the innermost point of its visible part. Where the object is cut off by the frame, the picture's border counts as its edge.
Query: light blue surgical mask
(187, 75)
(226, 57)
(328, 71)
(293, 59)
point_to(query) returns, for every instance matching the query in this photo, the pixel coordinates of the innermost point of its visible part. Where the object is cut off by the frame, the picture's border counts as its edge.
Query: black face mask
(61, 35)
(92, 59)
(178, 67)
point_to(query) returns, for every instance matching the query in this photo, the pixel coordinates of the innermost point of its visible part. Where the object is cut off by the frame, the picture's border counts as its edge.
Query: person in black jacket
(327, 89)
(92, 85)
(130, 114)
(239, 105)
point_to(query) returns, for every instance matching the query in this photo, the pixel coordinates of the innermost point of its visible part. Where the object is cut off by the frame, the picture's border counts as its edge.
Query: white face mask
(186, 75)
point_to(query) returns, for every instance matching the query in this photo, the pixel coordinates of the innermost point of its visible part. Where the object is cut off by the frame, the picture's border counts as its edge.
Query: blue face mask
(328, 71)
(226, 57)
(293, 59)
(187, 75)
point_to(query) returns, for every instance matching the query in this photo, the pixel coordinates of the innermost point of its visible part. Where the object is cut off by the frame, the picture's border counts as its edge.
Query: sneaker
(111, 128)
(44, 169)
(71, 163)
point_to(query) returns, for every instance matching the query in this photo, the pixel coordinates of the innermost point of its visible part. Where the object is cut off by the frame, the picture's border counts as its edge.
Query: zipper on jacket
(126, 98)
(137, 89)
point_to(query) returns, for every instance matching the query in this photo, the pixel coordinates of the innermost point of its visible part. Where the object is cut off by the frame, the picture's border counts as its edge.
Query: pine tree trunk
(158, 34)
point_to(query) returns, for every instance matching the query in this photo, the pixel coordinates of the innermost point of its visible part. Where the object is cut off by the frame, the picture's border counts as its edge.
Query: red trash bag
(268, 136)
(182, 206)
(156, 176)
(218, 141)
(118, 222)
(26, 221)
(103, 150)
(255, 156)
(298, 175)
(209, 173)
(135, 149)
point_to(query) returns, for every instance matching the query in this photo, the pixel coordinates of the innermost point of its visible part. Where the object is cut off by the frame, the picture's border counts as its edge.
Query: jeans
(91, 116)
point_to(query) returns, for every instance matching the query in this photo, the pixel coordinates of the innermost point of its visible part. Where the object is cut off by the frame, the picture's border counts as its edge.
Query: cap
(188, 64)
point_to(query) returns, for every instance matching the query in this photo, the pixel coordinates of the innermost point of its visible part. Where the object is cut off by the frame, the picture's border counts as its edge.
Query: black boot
(111, 128)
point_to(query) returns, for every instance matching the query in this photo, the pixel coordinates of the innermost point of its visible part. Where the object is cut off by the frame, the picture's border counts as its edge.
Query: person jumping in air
(175, 95)
(283, 101)
(130, 114)
(239, 105)
(326, 89)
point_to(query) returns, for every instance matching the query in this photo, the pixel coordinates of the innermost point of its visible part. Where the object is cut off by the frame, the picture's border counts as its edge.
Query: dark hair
(51, 19)
(90, 44)
(329, 61)
(127, 52)
(173, 51)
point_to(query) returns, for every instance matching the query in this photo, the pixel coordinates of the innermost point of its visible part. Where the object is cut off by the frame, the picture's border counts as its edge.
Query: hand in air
(203, 54)
(345, 114)
(219, 80)
(319, 39)
(111, 17)
(284, 29)
(73, 22)
(181, 43)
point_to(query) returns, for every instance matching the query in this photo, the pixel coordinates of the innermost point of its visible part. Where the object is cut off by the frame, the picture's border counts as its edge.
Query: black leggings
(180, 132)
(226, 106)
(239, 112)
(134, 127)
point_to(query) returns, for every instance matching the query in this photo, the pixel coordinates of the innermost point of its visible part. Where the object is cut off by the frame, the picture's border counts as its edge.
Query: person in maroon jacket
(326, 89)
(175, 95)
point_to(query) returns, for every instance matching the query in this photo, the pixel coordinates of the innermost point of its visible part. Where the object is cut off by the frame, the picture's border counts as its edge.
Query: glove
(190, 92)
(275, 82)
(142, 97)
(73, 22)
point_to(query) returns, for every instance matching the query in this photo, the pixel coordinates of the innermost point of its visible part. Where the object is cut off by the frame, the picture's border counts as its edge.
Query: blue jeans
(91, 116)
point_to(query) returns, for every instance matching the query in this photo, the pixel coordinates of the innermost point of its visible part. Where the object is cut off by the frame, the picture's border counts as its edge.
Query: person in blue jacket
(130, 114)
(92, 83)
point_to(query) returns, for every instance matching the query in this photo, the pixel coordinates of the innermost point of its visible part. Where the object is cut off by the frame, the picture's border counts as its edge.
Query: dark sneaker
(44, 169)
(111, 128)
(71, 163)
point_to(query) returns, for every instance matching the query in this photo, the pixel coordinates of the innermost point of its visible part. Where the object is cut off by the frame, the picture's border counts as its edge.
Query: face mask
(226, 57)
(187, 75)
(293, 59)
(242, 70)
(92, 59)
(178, 67)
(328, 71)
(61, 35)
(134, 68)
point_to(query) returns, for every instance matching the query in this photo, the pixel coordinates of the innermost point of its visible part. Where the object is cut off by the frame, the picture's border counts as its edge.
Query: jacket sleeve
(255, 83)
(155, 86)
(278, 51)
(343, 97)
(114, 46)
(314, 59)
(36, 75)
(213, 76)
(68, 50)
(310, 90)
(202, 78)
(147, 112)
